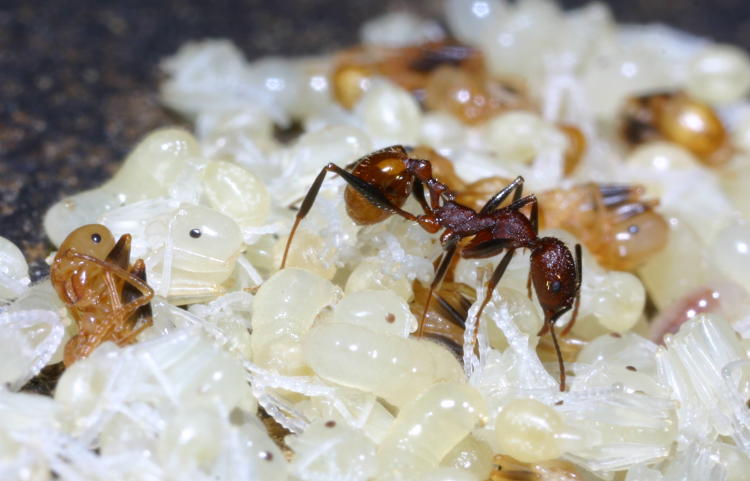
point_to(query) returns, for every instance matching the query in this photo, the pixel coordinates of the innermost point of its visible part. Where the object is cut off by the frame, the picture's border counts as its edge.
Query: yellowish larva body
(284, 309)
(427, 429)
(391, 367)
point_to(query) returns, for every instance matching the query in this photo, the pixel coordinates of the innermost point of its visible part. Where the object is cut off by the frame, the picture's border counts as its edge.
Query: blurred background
(79, 79)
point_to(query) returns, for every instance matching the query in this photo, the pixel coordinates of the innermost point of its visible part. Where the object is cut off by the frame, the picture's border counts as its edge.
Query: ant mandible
(379, 185)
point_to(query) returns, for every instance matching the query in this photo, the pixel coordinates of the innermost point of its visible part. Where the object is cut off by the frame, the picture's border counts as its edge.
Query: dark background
(78, 80)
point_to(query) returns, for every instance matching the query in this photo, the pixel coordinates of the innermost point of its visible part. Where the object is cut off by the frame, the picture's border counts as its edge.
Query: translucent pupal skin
(106, 296)
(394, 368)
(427, 428)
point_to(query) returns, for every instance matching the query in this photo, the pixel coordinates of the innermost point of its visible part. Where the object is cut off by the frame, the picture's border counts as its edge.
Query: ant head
(554, 275)
(92, 239)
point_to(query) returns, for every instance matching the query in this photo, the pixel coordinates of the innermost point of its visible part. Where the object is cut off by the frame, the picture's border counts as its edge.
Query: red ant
(379, 185)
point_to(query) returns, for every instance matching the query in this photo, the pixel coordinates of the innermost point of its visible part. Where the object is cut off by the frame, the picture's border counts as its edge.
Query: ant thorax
(461, 220)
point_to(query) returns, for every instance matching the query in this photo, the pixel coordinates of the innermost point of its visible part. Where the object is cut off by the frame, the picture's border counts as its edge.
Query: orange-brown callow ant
(379, 185)
(442, 76)
(678, 118)
(620, 228)
(106, 296)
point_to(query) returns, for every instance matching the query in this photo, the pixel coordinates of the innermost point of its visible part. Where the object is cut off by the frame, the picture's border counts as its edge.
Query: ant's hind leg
(579, 280)
(367, 190)
(445, 262)
(516, 187)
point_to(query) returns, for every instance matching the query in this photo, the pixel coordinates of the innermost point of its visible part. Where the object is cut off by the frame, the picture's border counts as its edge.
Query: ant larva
(106, 295)
(379, 185)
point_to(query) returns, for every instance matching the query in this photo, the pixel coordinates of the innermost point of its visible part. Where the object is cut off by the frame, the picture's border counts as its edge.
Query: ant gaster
(379, 185)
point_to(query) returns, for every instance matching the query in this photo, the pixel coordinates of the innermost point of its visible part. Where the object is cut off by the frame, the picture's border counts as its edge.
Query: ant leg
(418, 191)
(367, 190)
(523, 202)
(516, 187)
(560, 362)
(496, 276)
(579, 280)
(146, 292)
(143, 314)
(534, 217)
(450, 251)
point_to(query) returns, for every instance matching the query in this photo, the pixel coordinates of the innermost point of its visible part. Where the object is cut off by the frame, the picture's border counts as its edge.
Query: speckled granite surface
(78, 79)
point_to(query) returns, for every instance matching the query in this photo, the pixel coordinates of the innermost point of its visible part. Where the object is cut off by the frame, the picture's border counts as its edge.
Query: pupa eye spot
(195, 233)
(96, 238)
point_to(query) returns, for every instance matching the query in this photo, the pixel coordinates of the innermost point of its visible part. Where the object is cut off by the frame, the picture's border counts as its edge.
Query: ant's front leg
(367, 190)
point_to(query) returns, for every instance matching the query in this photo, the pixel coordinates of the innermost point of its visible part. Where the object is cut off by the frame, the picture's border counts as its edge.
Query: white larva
(391, 367)
(379, 310)
(283, 310)
(149, 171)
(427, 428)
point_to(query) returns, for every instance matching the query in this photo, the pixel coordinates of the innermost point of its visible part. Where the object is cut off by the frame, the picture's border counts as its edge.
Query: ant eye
(96, 238)
(195, 233)
(633, 229)
(555, 286)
